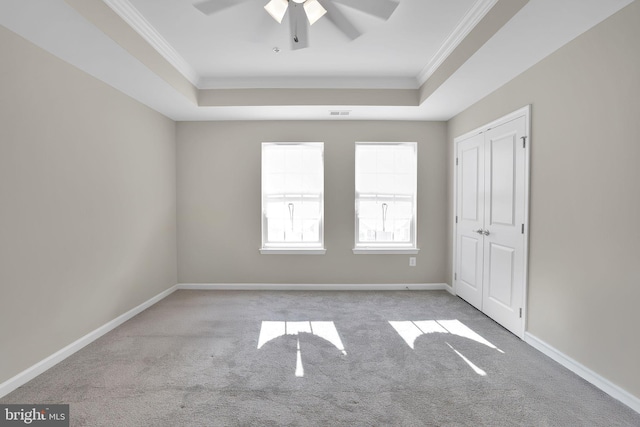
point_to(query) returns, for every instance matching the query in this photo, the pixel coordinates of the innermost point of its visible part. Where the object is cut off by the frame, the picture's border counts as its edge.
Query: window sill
(386, 251)
(292, 251)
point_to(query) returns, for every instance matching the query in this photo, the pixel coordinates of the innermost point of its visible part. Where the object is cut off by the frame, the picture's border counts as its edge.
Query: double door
(491, 204)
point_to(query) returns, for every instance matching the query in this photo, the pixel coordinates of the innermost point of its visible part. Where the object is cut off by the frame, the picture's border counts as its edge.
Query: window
(386, 181)
(292, 198)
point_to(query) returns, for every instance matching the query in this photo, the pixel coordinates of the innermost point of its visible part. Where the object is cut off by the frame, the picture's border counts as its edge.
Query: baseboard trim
(314, 287)
(30, 373)
(450, 289)
(597, 380)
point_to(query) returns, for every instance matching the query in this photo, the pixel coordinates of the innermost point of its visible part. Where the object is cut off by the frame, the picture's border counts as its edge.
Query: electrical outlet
(412, 261)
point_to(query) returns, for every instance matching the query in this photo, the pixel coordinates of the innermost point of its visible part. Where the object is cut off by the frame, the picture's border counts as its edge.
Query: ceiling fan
(304, 13)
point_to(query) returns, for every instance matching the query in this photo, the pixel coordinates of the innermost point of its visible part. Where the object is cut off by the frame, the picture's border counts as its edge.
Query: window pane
(384, 160)
(292, 199)
(386, 176)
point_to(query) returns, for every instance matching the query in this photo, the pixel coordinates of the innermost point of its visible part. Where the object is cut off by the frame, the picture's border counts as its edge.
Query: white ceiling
(234, 49)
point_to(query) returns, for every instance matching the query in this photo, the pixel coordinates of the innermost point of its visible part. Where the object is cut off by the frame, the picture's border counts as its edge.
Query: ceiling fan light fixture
(314, 10)
(277, 9)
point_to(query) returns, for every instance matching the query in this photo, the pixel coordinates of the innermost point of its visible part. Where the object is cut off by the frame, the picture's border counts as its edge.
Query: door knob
(481, 231)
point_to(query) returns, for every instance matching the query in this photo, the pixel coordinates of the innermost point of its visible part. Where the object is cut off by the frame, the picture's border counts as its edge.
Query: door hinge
(456, 161)
(455, 276)
(522, 228)
(521, 313)
(456, 219)
(524, 142)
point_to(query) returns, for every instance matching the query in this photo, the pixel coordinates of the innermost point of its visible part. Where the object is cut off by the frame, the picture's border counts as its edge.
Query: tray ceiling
(430, 60)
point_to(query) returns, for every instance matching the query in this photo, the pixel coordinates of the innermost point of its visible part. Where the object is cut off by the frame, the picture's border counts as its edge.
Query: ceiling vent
(339, 113)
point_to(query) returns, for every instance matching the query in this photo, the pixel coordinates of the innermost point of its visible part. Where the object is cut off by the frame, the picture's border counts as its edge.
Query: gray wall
(219, 204)
(584, 282)
(88, 201)
(87, 204)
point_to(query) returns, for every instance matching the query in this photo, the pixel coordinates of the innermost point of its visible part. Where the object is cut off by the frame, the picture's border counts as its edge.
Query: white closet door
(469, 238)
(491, 202)
(504, 215)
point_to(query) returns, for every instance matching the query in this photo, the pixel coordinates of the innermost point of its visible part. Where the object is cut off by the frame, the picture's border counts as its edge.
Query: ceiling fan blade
(380, 8)
(299, 26)
(209, 7)
(337, 18)
(314, 11)
(277, 9)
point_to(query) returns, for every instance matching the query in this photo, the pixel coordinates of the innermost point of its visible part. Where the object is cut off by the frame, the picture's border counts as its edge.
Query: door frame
(526, 112)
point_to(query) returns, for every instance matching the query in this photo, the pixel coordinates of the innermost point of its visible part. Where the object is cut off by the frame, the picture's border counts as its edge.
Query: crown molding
(462, 30)
(134, 18)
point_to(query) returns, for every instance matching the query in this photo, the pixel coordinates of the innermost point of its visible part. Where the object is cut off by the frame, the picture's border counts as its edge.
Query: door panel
(501, 152)
(500, 283)
(470, 193)
(503, 279)
(470, 208)
(469, 251)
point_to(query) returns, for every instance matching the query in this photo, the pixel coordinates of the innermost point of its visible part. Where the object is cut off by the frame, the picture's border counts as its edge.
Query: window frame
(290, 248)
(387, 247)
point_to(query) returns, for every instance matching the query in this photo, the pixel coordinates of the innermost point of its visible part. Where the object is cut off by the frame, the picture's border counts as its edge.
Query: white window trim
(292, 251)
(385, 251)
(388, 248)
(283, 248)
